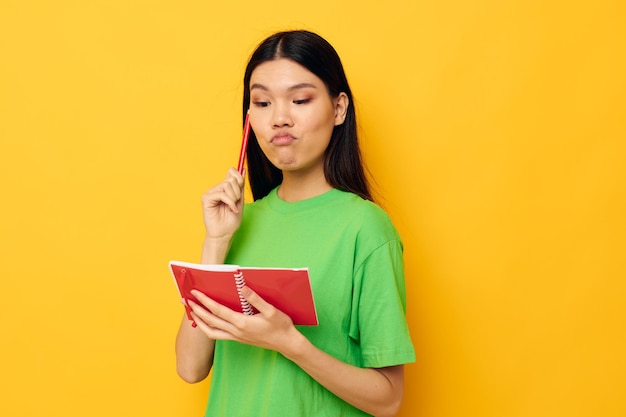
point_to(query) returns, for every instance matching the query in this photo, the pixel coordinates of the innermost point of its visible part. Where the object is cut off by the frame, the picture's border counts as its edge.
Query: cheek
(253, 123)
(323, 127)
(322, 120)
(257, 127)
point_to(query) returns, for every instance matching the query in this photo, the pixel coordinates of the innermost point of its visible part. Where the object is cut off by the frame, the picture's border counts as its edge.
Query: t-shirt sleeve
(378, 322)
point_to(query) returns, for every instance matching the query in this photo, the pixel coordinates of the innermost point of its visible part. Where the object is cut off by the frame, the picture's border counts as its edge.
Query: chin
(285, 165)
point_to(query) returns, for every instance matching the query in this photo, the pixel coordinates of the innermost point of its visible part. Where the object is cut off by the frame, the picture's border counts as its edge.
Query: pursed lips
(282, 138)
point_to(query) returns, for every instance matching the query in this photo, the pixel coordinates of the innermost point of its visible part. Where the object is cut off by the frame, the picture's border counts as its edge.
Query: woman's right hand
(222, 207)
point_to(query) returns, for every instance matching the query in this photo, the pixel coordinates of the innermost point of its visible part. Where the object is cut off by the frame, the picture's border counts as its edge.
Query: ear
(341, 108)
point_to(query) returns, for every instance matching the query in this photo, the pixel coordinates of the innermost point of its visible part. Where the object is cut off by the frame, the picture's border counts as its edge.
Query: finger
(214, 333)
(233, 189)
(207, 316)
(228, 192)
(256, 301)
(236, 180)
(231, 198)
(233, 173)
(230, 182)
(216, 309)
(220, 196)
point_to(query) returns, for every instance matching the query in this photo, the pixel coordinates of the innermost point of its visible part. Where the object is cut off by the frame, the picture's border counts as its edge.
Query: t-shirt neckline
(276, 203)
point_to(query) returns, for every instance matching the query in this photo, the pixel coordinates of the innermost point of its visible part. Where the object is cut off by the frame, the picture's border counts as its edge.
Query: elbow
(391, 402)
(391, 409)
(191, 376)
(394, 408)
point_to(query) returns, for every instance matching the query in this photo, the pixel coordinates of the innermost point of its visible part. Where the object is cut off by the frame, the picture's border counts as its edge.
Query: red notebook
(289, 290)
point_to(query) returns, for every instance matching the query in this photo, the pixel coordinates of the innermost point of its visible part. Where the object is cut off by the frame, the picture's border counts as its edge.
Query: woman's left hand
(269, 329)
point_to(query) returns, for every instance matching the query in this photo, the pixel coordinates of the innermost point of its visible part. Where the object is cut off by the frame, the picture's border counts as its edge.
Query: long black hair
(343, 167)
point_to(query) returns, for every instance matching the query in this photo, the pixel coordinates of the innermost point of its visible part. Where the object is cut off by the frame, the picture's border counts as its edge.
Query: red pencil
(244, 143)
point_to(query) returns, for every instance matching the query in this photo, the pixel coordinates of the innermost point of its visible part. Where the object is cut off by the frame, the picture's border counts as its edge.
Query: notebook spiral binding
(245, 305)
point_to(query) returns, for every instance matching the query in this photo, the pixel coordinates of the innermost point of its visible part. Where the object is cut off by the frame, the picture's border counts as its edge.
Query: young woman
(312, 209)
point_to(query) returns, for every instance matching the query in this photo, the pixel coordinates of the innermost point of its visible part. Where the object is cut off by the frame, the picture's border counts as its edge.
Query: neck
(296, 187)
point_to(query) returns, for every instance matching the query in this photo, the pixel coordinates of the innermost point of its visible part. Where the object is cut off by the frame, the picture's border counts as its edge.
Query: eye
(261, 103)
(303, 101)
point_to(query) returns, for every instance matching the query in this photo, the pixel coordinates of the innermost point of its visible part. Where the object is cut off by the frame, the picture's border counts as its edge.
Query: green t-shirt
(354, 256)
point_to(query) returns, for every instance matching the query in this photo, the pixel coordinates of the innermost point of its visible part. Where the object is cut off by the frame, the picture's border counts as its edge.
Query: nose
(281, 116)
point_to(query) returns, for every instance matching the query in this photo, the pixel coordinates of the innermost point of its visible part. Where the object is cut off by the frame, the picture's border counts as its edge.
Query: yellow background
(495, 131)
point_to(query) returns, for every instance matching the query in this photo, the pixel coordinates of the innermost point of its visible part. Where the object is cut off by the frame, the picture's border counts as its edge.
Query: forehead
(282, 73)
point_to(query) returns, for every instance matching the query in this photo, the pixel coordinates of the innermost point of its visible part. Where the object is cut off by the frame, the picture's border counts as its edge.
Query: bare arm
(376, 391)
(194, 353)
(222, 210)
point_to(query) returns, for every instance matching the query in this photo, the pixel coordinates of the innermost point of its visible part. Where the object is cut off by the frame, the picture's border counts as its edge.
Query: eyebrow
(293, 87)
